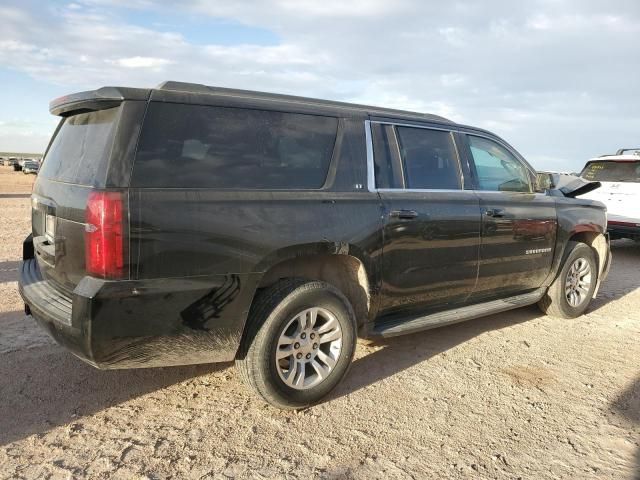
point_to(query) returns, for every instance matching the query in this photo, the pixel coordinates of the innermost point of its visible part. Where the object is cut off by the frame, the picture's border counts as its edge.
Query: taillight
(105, 234)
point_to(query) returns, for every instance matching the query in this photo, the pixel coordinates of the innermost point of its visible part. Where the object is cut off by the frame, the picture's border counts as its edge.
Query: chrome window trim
(425, 190)
(506, 192)
(386, 122)
(371, 181)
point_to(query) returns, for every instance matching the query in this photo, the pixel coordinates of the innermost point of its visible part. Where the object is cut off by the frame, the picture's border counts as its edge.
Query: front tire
(299, 343)
(572, 290)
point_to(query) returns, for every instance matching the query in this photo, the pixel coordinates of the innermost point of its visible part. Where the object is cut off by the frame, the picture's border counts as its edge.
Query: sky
(558, 79)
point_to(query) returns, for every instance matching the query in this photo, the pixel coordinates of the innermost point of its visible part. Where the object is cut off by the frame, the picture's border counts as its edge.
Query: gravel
(515, 395)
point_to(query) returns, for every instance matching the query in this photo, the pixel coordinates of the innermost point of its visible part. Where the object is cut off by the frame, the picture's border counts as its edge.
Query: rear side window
(387, 170)
(196, 146)
(80, 150)
(497, 169)
(429, 159)
(611, 171)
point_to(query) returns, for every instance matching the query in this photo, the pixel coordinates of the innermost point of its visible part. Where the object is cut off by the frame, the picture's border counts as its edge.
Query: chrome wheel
(308, 348)
(578, 282)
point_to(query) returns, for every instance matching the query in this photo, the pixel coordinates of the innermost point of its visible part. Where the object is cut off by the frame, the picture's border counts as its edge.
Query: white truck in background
(619, 175)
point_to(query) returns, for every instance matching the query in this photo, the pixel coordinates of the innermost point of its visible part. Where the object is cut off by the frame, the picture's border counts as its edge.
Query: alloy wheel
(578, 282)
(308, 348)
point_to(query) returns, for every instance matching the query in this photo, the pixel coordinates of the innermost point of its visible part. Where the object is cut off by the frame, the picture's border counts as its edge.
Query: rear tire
(299, 343)
(572, 290)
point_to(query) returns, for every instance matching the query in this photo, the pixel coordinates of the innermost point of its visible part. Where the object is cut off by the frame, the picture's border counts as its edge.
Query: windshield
(612, 171)
(80, 150)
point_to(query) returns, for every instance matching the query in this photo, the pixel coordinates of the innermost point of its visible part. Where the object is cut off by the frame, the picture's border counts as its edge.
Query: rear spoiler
(105, 97)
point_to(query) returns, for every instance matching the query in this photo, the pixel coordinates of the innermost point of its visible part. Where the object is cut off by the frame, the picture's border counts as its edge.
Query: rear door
(518, 225)
(431, 224)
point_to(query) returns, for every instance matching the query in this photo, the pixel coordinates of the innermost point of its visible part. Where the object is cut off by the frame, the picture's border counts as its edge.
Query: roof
(618, 158)
(195, 92)
(196, 88)
(620, 155)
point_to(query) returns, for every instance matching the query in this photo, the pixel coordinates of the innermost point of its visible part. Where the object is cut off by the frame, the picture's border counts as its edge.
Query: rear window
(611, 171)
(80, 150)
(196, 146)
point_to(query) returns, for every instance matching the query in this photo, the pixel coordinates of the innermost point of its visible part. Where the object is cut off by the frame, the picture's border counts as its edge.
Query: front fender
(583, 220)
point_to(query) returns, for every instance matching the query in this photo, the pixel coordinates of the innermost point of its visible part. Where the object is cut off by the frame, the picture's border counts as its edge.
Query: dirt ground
(515, 395)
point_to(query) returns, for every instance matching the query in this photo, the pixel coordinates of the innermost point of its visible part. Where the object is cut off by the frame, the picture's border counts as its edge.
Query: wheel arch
(340, 264)
(600, 245)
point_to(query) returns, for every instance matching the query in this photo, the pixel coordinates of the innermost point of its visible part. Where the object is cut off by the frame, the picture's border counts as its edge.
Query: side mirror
(545, 181)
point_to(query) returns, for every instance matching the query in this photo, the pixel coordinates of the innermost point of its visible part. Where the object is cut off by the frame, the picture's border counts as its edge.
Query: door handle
(494, 212)
(403, 214)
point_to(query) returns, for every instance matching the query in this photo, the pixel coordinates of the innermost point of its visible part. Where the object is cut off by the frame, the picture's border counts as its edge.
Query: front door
(431, 225)
(518, 225)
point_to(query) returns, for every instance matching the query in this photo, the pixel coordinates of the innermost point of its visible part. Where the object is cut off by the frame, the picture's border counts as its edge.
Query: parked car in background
(23, 160)
(619, 175)
(30, 166)
(192, 224)
(12, 162)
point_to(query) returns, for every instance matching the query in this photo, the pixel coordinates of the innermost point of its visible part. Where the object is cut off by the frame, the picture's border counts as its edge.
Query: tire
(276, 314)
(556, 302)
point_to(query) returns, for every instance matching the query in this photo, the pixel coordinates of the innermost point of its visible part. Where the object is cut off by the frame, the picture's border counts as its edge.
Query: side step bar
(402, 326)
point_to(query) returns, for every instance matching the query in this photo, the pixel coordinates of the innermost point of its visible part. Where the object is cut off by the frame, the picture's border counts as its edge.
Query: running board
(403, 326)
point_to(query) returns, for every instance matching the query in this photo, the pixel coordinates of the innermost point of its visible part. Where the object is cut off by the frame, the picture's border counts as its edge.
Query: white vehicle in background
(619, 175)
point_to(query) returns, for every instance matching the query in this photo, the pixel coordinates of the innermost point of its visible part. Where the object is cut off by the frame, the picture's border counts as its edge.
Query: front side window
(197, 146)
(429, 159)
(497, 169)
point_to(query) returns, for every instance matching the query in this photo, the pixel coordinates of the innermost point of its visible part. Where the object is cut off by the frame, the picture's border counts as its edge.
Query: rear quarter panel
(181, 233)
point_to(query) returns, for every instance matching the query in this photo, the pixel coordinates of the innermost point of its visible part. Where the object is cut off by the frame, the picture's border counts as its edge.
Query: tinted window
(386, 170)
(429, 159)
(608, 171)
(194, 146)
(80, 150)
(497, 169)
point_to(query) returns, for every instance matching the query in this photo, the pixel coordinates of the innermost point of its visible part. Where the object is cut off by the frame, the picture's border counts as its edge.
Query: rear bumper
(51, 309)
(150, 323)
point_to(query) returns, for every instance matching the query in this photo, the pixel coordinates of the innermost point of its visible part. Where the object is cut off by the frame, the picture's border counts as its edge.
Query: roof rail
(622, 150)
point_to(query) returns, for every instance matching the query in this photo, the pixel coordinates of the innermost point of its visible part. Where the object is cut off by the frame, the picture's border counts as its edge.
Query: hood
(571, 186)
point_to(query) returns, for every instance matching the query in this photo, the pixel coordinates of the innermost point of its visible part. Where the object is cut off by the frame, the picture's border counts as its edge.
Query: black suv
(190, 224)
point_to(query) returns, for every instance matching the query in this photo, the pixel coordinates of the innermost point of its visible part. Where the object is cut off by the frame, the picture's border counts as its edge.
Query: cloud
(140, 62)
(557, 79)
